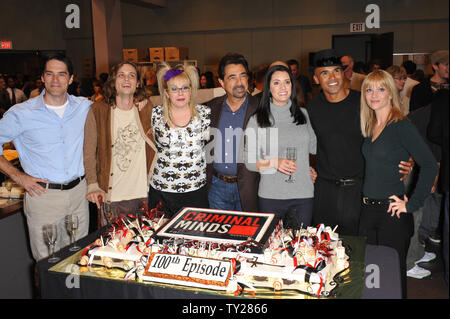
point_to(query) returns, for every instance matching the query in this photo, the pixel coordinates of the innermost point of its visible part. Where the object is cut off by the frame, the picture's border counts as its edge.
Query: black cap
(325, 58)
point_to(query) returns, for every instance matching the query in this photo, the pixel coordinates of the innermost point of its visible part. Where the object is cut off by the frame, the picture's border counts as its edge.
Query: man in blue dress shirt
(231, 186)
(48, 133)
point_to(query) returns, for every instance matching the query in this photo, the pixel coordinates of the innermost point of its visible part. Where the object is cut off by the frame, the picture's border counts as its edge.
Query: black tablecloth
(381, 280)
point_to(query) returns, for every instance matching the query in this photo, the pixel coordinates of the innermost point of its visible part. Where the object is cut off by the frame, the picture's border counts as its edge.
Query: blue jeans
(224, 195)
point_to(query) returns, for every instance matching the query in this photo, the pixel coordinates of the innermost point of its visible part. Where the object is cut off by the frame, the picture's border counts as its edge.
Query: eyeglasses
(403, 78)
(183, 89)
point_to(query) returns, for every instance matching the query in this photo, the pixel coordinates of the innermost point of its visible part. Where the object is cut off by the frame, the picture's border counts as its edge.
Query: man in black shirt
(334, 115)
(422, 94)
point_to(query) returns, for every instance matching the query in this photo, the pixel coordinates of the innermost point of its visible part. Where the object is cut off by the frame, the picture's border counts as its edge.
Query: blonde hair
(396, 70)
(368, 117)
(190, 74)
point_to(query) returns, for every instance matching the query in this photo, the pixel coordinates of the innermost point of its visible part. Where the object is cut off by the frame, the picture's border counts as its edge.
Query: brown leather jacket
(247, 181)
(98, 145)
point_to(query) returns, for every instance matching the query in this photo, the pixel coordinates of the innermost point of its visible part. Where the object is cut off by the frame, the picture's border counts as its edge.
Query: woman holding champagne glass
(279, 139)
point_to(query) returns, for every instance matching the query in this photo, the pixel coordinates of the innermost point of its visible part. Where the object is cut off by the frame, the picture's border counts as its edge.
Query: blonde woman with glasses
(181, 129)
(400, 77)
(389, 138)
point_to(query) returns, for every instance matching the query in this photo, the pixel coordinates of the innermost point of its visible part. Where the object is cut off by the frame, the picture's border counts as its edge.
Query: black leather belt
(63, 187)
(342, 182)
(378, 202)
(226, 178)
(345, 182)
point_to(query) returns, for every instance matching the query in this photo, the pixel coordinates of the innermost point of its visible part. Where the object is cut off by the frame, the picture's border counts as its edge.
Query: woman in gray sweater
(280, 123)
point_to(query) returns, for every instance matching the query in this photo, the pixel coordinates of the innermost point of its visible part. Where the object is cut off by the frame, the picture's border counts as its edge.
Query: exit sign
(5, 45)
(357, 27)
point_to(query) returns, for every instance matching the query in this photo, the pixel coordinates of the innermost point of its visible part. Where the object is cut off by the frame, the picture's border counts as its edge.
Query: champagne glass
(291, 154)
(107, 212)
(50, 232)
(72, 227)
(9, 186)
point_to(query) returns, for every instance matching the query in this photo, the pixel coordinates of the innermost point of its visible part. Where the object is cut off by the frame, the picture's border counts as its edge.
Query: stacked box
(176, 53)
(156, 54)
(135, 55)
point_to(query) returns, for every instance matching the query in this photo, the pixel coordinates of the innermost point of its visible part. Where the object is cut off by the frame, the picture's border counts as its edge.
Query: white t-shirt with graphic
(129, 166)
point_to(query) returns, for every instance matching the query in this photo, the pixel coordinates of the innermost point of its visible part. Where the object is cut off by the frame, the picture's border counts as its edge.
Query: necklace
(178, 126)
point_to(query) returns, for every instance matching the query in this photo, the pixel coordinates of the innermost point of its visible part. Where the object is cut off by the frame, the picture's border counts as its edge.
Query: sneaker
(418, 272)
(427, 257)
(435, 238)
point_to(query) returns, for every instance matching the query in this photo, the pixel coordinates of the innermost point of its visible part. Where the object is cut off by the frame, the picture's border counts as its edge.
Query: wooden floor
(433, 287)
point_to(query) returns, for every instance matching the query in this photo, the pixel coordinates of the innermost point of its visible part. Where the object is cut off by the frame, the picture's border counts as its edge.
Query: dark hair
(209, 79)
(61, 58)
(109, 88)
(263, 115)
(292, 62)
(231, 58)
(409, 66)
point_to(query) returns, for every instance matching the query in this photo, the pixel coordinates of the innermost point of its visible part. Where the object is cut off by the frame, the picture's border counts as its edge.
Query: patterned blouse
(181, 165)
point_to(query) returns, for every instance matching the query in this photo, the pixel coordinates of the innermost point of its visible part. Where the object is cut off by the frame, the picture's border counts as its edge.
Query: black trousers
(381, 228)
(173, 202)
(337, 205)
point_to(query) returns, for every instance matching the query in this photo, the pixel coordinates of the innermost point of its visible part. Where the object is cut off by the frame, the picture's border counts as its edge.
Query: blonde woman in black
(388, 139)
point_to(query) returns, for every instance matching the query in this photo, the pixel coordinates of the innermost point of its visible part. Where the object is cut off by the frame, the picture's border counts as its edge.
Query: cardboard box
(156, 54)
(176, 53)
(135, 55)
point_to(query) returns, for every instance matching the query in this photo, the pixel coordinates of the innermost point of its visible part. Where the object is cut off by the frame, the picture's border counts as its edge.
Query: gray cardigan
(272, 142)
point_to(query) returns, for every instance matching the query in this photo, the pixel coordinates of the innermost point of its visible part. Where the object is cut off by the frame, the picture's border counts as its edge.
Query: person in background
(386, 217)
(181, 130)
(15, 95)
(411, 82)
(98, 91)
(400, 77)
(374, 65)
(48, 133)
(302, 80)
(207, 80)
(39, 87)
(422, 94)
(437, 132)
(5, 102)
(353, 80)
(151, 83)
(427, 218)
(259, 73)
(119, 174)
(280, 123)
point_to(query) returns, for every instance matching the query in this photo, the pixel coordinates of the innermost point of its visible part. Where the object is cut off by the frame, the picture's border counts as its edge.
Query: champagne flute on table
(72, 223)
(107, 212)
(9, 186)
(50, 232)
(291, 154)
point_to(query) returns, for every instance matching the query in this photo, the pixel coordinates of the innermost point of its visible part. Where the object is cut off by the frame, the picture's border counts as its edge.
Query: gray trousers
(51, 208)
(426, 220)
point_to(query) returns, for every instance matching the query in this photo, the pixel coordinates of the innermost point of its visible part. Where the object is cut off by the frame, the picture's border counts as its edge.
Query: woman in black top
(389, 138)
